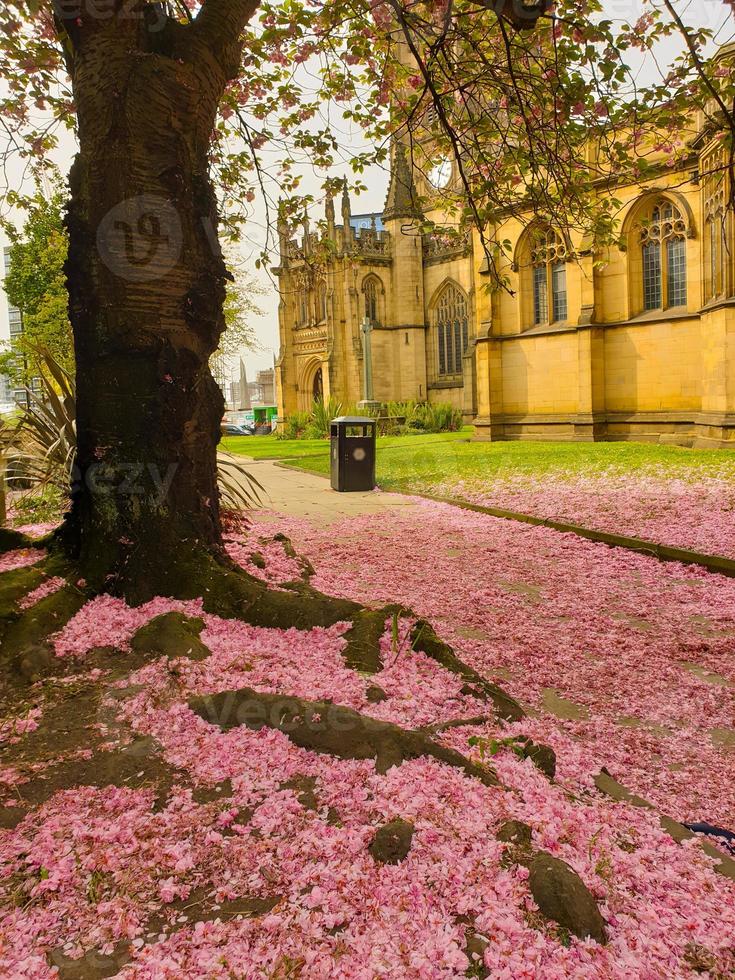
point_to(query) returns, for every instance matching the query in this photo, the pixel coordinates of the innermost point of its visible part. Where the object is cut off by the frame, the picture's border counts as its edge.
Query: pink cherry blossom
(46, 588)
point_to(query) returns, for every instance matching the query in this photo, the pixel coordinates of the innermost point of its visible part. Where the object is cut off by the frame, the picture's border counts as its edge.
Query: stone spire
(402, 200)
(329, 215)
(283, 235)
(346, 208)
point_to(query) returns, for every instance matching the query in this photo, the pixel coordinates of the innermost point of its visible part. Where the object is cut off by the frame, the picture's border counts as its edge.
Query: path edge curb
(717, 564)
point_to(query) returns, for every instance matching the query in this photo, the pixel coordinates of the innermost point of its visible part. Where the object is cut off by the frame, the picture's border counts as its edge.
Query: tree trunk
(146, 283)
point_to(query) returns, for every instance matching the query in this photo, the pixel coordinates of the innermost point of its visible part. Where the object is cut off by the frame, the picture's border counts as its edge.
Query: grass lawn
(424, 462)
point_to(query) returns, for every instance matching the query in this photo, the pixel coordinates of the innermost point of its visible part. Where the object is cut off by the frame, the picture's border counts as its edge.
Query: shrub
(294, 426)
(322, 414)
(426, 417)
(313, 424)
(444, 418)
(394, 418)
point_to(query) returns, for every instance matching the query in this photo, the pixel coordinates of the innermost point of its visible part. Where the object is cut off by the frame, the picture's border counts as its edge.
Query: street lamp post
(368, 404)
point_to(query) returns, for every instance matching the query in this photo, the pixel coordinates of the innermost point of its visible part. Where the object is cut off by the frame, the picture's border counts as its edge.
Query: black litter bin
(353, 453)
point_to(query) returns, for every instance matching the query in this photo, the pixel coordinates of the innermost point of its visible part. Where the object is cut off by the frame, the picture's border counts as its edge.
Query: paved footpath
(299, 494)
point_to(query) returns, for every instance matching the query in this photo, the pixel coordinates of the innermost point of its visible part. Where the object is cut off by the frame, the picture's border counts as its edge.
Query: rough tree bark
(146, 282)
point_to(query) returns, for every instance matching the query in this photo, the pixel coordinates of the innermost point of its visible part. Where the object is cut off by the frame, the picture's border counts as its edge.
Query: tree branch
(219, 24)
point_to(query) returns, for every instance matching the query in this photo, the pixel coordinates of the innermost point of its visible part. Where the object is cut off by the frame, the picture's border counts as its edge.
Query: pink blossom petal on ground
(697, 513)
(38, 530)
(45, 589)
(279, 567)
(108, 621)
(610, 632)
(11, 729)
(10, 561)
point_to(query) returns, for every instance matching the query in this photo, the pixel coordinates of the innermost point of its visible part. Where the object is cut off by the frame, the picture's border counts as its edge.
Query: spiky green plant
(238, 488)
(294, 426)
(6, 438)
(322, 414)
(46, 440)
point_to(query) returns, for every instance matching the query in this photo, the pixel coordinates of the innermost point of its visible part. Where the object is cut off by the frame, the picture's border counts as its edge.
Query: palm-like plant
(46, 439)
(238, 488)
(7, 435)
(322, 414)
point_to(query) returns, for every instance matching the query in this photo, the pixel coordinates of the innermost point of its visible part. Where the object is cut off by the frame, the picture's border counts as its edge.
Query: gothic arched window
(302, 306)
(663, 235)
(372, 290)
(549, 277)
(717, 223)
(451, 321)
(371, 301)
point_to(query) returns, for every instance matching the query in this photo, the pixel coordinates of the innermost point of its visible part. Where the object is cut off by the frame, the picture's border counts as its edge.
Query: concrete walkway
(292, 491)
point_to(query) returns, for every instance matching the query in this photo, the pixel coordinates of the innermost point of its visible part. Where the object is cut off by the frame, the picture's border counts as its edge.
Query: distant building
(259, 392)
(7, 402)
(256, 393)
(11, 325)
(266, 385)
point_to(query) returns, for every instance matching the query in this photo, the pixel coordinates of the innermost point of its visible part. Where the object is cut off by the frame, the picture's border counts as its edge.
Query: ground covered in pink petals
(643, 651)
(255, 862)
(11, 561)
(693, 513)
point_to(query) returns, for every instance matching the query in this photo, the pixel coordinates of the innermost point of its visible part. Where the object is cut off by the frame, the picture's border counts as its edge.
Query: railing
(439, 247)
(369, 242)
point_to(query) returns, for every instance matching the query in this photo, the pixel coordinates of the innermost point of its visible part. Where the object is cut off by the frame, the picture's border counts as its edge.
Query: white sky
(714, 14)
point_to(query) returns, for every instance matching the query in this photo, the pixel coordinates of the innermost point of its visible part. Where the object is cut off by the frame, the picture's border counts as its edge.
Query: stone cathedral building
(633, 343)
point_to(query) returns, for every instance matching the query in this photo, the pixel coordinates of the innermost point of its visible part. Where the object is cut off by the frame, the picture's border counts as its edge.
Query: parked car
(230, 429)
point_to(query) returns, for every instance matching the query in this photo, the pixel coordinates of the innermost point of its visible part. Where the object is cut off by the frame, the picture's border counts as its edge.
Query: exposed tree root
(171, 635)
(199, 906)
(228, 591)
(392, 842)
(307, 569)
(362, 652)
(445, 726)
(425, 639)
(139, 765)
(323, 726)
(94, 965)
(11, 539)
(26, 650)
(14, 586)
